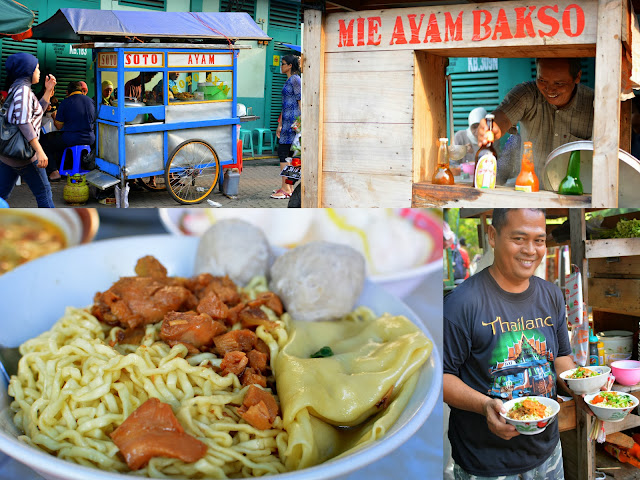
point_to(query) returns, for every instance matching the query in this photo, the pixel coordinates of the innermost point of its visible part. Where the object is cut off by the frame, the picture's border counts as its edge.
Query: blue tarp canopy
(297, 48)
(69, 25)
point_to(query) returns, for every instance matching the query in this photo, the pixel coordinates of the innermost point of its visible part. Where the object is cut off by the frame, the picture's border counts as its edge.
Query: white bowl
(532, 427)
(608, 414)
(285, 230)
(587, 385)
(104, 262)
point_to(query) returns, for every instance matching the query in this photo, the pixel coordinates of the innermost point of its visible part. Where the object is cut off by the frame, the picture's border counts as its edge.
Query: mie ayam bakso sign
(464, 26)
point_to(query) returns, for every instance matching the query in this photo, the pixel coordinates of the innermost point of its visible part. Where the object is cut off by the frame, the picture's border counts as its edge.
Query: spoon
(9, 358)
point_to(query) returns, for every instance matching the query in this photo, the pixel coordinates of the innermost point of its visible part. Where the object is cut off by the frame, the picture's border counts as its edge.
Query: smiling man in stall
(505, 336)
(552, 110)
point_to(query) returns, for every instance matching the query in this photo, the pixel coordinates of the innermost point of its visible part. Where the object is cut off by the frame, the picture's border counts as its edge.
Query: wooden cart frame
(374, 95)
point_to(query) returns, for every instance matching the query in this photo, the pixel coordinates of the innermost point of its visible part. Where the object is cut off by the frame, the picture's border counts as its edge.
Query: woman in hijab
(27, 111)
(291, 96)
(469, 137)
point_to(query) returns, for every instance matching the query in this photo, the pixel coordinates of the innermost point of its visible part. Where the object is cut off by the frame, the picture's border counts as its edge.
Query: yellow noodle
(72, 389)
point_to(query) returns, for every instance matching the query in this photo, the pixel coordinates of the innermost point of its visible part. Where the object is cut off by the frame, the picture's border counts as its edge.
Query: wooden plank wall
(368, 129)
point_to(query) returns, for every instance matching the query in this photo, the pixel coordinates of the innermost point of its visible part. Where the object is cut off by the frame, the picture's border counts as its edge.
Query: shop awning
(297, 48)
(16, 18)
(73, 25)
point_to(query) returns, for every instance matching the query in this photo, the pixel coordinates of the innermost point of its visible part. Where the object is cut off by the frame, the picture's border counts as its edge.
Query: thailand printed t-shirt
(503, 345)
(78, 113)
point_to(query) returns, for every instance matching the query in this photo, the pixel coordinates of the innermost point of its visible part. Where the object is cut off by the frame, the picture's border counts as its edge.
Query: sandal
(281, 194)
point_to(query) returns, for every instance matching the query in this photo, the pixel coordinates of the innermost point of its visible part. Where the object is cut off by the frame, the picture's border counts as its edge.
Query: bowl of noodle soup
(104, 262)
(528, 423)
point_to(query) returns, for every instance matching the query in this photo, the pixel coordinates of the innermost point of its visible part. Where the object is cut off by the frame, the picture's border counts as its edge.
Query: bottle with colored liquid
(593, 348)
(571, 184)
(601, 360)
(527, 180)
(443, 175)
(486, 160)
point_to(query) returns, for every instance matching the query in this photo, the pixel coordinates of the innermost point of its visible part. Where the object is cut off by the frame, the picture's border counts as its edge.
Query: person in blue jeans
(27, 111)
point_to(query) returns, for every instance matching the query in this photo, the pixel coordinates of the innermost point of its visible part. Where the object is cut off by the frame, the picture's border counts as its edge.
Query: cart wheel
(153, 184)
(192, 171)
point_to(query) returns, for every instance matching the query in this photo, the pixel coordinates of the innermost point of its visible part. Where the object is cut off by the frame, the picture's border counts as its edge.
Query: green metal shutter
(285, 14)
(9, 47)
(150, 4)
(471, 90)
(70, 69)
(284, 27)
(247, 6)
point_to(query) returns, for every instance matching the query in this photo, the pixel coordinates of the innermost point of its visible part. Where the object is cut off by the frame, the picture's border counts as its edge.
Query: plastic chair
(265, 134)
(247, 142)
(76, 152)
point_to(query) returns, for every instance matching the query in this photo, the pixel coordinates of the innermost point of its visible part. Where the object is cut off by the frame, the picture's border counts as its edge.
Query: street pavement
(258, 180)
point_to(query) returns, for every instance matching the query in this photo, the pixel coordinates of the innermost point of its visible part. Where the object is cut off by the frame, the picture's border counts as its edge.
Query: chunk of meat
(137, 301)
(258, 360)
(258, 416)
(199, 283)
(152, 430)
(251, 376)
(233, 314)
(233, 362)
(235, 340)
(150, 266)
(213, 306)
(254, 317)
(130, 336)
(190, 328)
(255, 395)
(262, 346)
(225, 289)
(269, 300)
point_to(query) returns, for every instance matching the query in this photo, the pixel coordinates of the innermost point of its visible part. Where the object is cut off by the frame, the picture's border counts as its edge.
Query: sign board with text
(498, 24)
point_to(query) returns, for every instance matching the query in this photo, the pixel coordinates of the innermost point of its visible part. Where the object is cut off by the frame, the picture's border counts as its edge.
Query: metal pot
(133, 102)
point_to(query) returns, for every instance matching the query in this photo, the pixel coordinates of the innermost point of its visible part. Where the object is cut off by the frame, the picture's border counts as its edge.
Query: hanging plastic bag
(573, 297)
(580, 343)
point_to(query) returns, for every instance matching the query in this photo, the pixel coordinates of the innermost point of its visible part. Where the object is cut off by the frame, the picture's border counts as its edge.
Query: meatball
(235, 248)
(319, 280)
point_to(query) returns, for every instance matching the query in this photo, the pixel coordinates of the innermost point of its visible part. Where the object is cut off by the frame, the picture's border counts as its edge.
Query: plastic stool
(262, 145)
(76, 152)
(247, 142)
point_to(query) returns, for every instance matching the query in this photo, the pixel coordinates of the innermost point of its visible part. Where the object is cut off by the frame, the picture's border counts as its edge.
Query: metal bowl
(555, 170)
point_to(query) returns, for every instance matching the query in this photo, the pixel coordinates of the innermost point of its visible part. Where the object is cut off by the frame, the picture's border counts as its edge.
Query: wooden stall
(374, 93)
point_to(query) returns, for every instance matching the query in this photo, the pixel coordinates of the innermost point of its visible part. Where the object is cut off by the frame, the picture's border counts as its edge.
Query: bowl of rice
(584, 380)
(530, 415)
(611, 406)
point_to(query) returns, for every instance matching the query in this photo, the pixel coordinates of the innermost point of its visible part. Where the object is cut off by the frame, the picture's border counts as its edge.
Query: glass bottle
(571, 184)
(527, 180)
(486, 160)
(443, 175)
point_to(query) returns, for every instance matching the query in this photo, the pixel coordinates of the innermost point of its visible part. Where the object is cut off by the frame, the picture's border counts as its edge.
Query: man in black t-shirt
(505, 336)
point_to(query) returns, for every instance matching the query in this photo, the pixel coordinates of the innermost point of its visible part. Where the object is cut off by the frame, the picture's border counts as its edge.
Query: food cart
(378, 98)
(182, 128)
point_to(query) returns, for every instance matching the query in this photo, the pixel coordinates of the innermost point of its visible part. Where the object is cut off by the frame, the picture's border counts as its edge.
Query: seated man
(76, 118)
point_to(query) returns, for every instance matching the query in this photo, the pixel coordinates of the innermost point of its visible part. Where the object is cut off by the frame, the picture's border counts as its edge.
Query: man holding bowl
(505, 336)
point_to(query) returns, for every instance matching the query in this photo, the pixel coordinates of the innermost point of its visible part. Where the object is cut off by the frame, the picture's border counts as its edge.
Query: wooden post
(429, 113)
(606, 118)
(312, 108)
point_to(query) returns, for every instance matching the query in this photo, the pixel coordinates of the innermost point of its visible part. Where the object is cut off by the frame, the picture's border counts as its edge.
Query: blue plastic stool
(265, 134)
(247, 142)
(76, 152)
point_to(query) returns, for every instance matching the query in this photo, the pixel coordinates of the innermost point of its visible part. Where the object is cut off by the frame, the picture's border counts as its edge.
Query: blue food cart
(173, 119)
